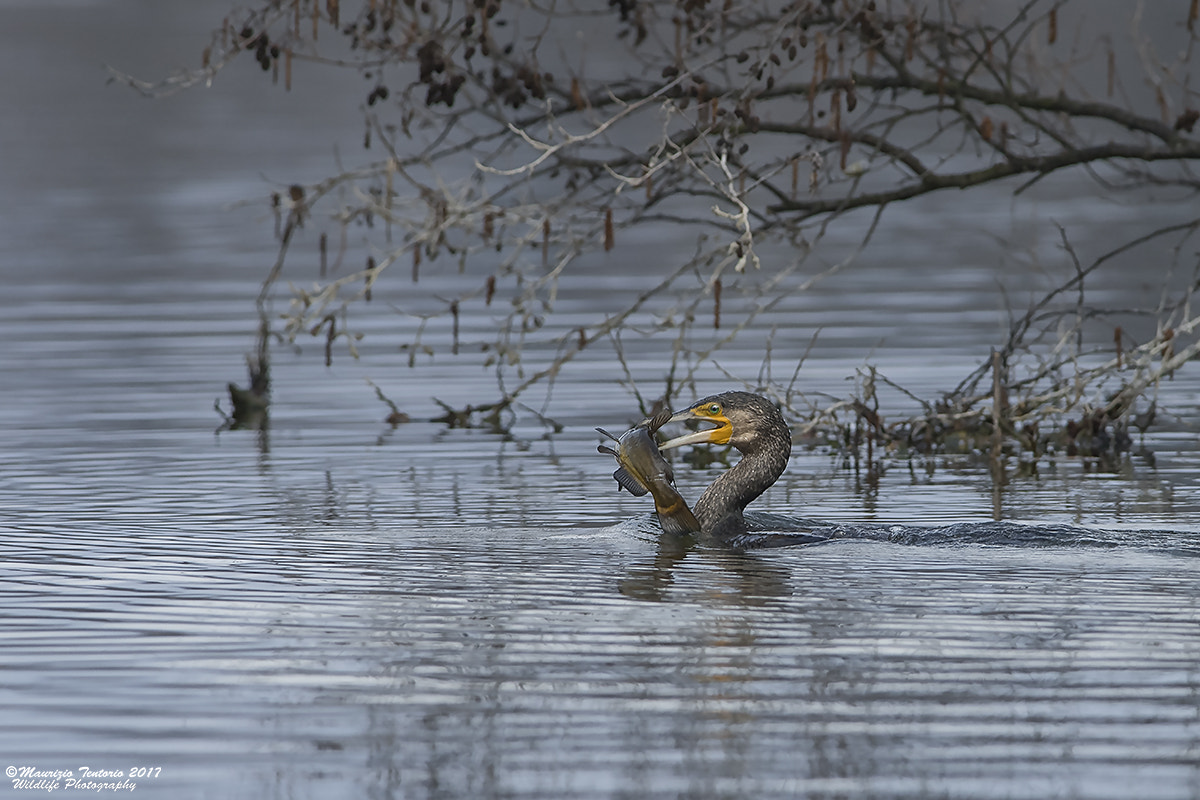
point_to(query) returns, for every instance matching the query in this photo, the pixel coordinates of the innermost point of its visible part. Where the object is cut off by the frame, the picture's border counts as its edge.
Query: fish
(641, 470)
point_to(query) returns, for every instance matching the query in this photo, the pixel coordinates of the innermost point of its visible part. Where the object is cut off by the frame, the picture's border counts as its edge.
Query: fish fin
(657, 421)
(679, 522)
(609, 435)
(603, 448)
(627, 480)
(674, 516)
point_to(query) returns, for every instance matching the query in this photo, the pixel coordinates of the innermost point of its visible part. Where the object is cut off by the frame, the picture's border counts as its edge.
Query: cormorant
(747, 422)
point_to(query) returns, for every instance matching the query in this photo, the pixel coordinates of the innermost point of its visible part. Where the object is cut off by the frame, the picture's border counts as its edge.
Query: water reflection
(729, 575)
(889, 671)
(359, 655)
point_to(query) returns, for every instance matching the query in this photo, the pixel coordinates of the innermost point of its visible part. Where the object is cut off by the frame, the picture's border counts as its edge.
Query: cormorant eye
(714, 408)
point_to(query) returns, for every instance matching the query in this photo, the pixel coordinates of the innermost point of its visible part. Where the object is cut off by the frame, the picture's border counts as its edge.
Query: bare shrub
(516, 140)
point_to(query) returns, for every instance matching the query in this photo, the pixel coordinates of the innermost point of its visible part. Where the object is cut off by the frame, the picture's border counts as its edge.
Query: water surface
(337, 608)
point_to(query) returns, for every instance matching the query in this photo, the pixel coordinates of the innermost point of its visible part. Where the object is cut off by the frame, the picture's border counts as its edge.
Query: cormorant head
(741, 419)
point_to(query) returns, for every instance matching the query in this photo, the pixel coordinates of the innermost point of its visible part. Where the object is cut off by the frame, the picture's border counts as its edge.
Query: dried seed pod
(330, 336)
(986, 128)
(717, 302)
(276, 201)
(821, 62)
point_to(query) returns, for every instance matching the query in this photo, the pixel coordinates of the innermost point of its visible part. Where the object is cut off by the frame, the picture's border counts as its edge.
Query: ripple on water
(483, 661)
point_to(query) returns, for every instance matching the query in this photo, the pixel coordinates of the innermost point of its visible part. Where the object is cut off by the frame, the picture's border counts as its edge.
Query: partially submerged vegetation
(510, 148)
(1030, 397)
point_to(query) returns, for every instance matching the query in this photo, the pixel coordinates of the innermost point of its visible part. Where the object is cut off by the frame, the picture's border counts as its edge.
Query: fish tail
(674, 516)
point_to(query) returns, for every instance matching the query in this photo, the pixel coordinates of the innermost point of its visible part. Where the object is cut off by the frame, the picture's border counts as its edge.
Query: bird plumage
(753, 426)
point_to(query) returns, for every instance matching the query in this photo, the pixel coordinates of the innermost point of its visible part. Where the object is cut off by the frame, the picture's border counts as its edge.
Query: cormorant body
(752, 425)
(749, 423)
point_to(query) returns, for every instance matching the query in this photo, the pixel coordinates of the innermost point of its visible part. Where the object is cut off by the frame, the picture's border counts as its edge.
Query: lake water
(341, 609)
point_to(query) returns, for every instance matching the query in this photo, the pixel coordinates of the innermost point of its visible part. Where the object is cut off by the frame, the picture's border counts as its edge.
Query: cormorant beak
(718, 435)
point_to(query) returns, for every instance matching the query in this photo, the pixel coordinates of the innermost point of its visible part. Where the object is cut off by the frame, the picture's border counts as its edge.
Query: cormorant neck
(719, 509)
